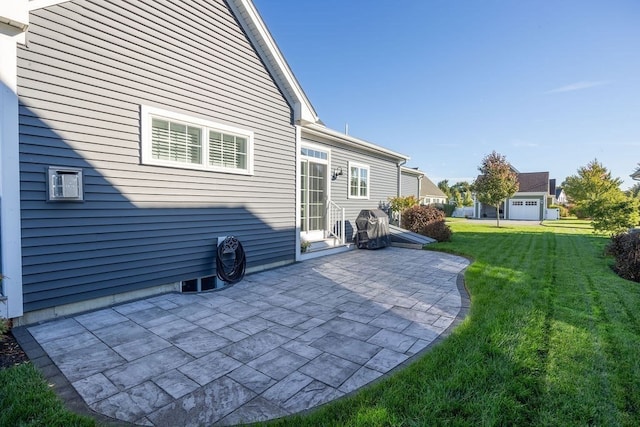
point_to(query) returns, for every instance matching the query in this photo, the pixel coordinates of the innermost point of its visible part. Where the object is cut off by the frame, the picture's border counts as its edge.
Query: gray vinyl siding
(409, 185)
(383, 178)
(85, 71)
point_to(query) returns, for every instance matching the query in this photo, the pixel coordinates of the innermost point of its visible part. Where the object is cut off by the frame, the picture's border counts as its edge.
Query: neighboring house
(561, 196)
(430, 193)
(529, 203)
(411, 182)
(140, 135)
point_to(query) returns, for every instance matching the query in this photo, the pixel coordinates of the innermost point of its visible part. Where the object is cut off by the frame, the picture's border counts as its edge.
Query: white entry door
(314, 188)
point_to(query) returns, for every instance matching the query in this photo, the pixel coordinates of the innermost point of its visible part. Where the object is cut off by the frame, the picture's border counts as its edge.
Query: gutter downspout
(297, 198)
(400, 164)
(399, 191)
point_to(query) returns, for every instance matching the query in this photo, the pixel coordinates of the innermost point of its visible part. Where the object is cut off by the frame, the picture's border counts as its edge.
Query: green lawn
(552, 338)
(27, 400)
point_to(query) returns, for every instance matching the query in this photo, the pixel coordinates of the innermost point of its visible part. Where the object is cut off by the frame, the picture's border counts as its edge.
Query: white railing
(335, 222)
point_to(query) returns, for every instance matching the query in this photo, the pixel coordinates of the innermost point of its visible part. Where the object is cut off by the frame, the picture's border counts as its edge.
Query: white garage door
(524, 209)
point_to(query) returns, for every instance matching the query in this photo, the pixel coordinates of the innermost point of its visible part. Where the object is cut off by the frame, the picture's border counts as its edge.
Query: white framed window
(178, 140)
(315, 153)
(358, 181)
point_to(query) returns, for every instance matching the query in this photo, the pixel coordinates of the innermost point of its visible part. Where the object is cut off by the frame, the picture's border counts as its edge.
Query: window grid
(176, 142)
(310, 152)
(225, 150)
(358, 181)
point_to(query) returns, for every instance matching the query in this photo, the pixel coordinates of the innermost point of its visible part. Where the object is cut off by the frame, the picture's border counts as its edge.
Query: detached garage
(528, 203)
(524, 209)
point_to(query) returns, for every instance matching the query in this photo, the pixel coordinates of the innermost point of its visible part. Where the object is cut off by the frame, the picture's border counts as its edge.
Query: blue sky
(551, 85)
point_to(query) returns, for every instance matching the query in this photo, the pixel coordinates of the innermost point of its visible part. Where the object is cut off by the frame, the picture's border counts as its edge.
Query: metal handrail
(335, 221)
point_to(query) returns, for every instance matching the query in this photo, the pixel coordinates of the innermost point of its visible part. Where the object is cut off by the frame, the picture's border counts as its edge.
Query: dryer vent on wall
(64, 185)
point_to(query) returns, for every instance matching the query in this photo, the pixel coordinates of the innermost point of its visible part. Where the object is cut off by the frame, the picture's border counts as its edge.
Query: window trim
(359, 166)
(148, 113)
(318, 148)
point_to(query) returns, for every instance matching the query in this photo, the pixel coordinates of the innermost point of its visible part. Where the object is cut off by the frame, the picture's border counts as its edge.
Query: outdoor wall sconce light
(336, 173)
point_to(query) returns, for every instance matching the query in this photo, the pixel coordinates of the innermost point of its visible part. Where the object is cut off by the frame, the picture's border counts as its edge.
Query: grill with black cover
(372, 229)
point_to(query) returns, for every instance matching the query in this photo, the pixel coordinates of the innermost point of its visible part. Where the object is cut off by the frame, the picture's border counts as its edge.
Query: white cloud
(578, 86)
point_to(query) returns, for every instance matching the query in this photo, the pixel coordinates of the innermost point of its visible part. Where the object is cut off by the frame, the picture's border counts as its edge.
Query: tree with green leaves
(592, 186)
(496, 183)
(456, 197)
(461, 186)
(594, 191)
(467, 198)
(634, 191)
(616, 216)
(461, 192)
(401, 203)
(444, 187)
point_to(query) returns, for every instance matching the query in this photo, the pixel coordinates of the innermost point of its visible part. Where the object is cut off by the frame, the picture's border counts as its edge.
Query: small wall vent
(201, 284)
(65, 185)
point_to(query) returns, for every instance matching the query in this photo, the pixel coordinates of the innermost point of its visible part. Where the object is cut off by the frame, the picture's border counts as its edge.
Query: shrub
(428, 221)
(564, 212)
(614, 217)
(447, 208)
(399, 204)
(625, 248)
(4, 325)
(578, 212)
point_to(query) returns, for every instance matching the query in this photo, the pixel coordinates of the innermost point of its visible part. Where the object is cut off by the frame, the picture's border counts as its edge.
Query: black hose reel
(230, 261)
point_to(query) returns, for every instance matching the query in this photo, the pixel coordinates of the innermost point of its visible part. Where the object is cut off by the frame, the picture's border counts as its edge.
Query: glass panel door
(313, 198)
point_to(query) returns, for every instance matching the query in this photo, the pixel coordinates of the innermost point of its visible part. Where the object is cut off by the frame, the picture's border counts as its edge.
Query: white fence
(464, 212)
(552, 214)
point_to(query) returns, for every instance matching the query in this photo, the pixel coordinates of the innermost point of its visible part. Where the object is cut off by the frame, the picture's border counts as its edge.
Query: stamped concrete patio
(279, 342)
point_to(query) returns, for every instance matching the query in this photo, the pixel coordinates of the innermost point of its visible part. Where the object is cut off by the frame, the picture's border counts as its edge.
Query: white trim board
(10, 235)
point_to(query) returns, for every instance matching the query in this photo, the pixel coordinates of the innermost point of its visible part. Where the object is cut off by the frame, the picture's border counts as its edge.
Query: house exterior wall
(383, 175)
(427, 200)
(86, 70)
(409, 185)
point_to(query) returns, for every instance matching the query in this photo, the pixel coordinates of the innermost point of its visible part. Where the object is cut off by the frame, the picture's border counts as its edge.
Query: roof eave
(412, 171)
(323, 131)
(255, 28)
(15, 14)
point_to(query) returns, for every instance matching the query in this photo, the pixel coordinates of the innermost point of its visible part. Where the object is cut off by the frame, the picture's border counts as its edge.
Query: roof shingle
(533, 182)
